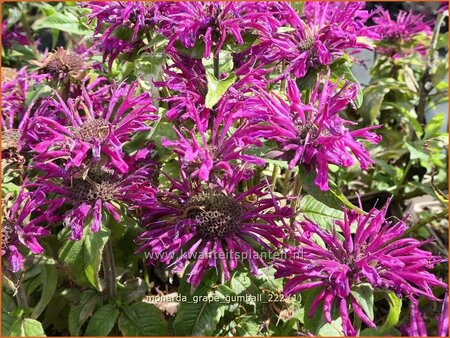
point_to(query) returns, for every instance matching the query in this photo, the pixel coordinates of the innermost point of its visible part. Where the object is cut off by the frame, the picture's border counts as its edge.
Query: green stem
(287, 176)
(297, 194)
(399, 189)
(424, 91)
(275, 173)
(109, 271)
(216, 66)
(425, 221)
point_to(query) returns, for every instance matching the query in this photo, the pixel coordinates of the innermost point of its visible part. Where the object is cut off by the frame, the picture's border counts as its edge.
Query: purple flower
(98, 190)
(122, 25)
(312, 133)
(186, 80)
(376, 253)
(89, 130)
(21, 227)
(416, 326)
(398, 34)
(16, 85)
(16, 112)
(13, 36)
(213, 23)
(212, 228)
(320, 36)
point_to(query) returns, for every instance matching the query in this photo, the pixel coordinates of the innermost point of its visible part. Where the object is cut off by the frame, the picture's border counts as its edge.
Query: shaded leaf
(142, 319)
(102, 321)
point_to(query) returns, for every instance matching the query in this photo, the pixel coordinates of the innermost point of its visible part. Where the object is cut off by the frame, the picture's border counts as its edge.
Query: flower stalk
(109, 271)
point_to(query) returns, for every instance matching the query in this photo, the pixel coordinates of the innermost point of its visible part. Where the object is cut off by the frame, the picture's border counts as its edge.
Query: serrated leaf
(363, 294)
(131, 290)
(82, 258)
(27, 327)
(319, 213)
(248, 326)
(142, 319)
(66, 22)
(102, 321)
(93, 249)
(198, 318)
(80, 312)
(217, 88)
(325, 197)
(49, 280)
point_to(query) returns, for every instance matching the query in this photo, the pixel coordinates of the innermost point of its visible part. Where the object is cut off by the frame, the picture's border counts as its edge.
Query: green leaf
(333, 329)
(248, 326)
(93, 248)
(131, 290)
(142, 319)
(8, 303)
(198, 318)
(433, 127)
(66, 22)
(102, 321)
(319, 213)
(380, 331)
(226, 63)
(373, 99)
(7, 322)
(343, 69)
(363, 294)
(82, 258)
(80, 312)
(217, 88)
(407, 114)
(49, 280)
(416, 153)
(40, 90)
(27, 327)
(325, 197)
(13, 17)
(395, 308)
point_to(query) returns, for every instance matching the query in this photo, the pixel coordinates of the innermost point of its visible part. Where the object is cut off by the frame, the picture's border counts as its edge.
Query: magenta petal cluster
(213, 228)
(312, 133)
(90, 132)
(376, 253)
(324, 32)
(398, 33)
(213, 23)
(99, 191)
(122, 25)
(18, 232)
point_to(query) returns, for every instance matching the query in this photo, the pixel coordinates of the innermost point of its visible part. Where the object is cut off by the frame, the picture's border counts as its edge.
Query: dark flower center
(63, 62)
(97, 185)
(93, 129)
(7, 234)
(216, 216)
(8, 74)
(10, 139)
(305, 129)
(306, 44)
